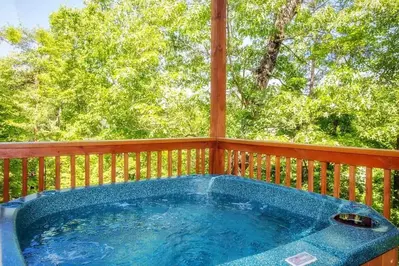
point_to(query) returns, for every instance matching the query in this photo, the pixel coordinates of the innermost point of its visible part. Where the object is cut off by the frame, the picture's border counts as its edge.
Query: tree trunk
(269, 60)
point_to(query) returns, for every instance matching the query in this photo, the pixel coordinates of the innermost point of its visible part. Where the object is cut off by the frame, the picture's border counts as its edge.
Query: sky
(29, 14)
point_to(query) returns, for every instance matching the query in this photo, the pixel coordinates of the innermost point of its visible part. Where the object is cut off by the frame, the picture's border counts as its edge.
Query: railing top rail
(46, 144)
(44, 149)
(326, 148)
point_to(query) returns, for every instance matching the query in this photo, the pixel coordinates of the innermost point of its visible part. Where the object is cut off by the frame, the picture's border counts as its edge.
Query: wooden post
(218, 81)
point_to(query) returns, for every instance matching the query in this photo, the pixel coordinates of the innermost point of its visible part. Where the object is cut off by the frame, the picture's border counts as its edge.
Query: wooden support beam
(218, 79)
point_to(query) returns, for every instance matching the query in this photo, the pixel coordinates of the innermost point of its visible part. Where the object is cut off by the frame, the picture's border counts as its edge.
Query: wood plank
(268, 168)
(390, 258)
(299, 173)
(87, 170)
(203, 161)
(126, 167)
(24, 177)
(235, 171)
(311, 176)
(251, 165)
(169, 163)
(100, 169)
(387, 194)
(259, 166)
(148, 164)
(278, 170)
(46, 149)
(189, 161)
(337, 180)
(385, 159)
(57, 173)
(218, 68)
(73, 171)
(113, 168)
(41, 174)
(6, 180)
(159, 164)
(138, 166)
(352, 182)
(229, 154)
(243, 162)
(288, 171)
(323, 178)
(179, 159)
(197, 161)
(369, 186)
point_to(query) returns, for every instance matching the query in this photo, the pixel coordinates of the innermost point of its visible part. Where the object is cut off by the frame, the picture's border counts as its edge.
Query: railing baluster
(148, 164)
(73, 171)
(159, 164)
(57, 173)
(259, 166)
(126, 166)
(268, 167)
(87, 170)
(299, 173)
(179, 159)
(243, 161)
(352, 183)
(203, 161)
(24, 177)
(100, 169)
(277, 170)
(229, 162)
(387, 193)
(323, 178)
(113, 168)
(188, 161)
(138, 165)
(310, 176)
(251, 165)
(337, 180)
(288, 171)
(235, 163)
(169, 163)
(41, 174)
(369, 186)
(6, 180)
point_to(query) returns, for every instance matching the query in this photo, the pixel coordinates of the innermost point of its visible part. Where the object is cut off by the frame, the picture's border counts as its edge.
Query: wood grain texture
(251, 165)
(352, 183)
(235, 171)
(259, 166)
(148, 164)
(337, 180)
(243, 162)
(57, 173)
(387, 194)
(299, 173)
(323, 178)
(310, 176)
(389, 258)
(288, 171)
(159, 164)
(179, 162)
(6, 180)
(268, 168)
(126, 167)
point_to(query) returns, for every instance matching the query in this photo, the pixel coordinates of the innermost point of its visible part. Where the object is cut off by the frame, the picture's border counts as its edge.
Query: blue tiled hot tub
(192, 220)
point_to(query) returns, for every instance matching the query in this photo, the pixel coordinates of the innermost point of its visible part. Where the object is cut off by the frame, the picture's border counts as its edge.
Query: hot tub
(191, 220)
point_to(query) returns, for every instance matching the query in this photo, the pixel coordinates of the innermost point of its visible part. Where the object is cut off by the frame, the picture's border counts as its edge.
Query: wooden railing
(337, 171)
(319, 169)
(42, 166)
